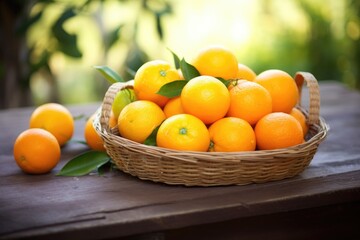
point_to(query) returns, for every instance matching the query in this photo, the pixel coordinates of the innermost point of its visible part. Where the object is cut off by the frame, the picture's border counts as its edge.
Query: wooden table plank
(147, 212)
(116, 204)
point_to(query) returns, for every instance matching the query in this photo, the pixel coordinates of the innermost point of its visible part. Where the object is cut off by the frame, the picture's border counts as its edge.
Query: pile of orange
(37, 150)
(225, 107)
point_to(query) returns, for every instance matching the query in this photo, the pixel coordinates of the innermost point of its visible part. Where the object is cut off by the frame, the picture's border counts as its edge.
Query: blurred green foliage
(20, 17)
(325, 52)
(329, 48)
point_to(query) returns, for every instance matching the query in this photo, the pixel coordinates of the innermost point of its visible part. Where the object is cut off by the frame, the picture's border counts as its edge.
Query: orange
(282, 88)
(54, 118)
(183, 132)
(112, 120)
(249, 101)
(92, 138)
(216, 61)
(246, 73)
(173, 107)
(232, 135)
(205, 97)
(36, 151)
(138, 120)
(150, 77)
(296, 113)
(278, 130)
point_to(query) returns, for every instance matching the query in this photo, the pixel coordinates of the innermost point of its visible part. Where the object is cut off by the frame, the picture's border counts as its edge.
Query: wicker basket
(213, 168)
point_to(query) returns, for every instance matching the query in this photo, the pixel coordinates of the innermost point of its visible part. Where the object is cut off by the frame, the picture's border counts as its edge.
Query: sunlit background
(60, 41)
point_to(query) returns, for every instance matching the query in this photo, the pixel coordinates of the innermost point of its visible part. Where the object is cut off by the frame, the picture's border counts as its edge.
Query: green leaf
(84, 163)
(176, 59)
(225, 82)
(79, 117)
(42, 61)
(172, 89)
(159, 27)
(28, 22)
(151, 140)
(131, 72)
(135, 58)
(109, 74)
(67, 42)
(112, 37)
(71, 50)
(78, 141)
(188, 70)
(104, 168)
(83, 6)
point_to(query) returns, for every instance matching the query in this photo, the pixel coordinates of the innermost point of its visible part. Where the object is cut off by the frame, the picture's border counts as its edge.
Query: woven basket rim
(317, 138)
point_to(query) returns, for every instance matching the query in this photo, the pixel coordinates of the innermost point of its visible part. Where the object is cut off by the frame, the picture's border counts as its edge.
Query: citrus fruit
(282, 88)
(92, 138)
(112, 120)
(150, 77)
(183, 132)
(173, 107)
(54, 118)
(232, 134)
(278, 130)
(296, 113)
(244, 72)
(205, 97)
(249, 101)
(122, 98)
(216, 61)
(36, 151)
(138, 119)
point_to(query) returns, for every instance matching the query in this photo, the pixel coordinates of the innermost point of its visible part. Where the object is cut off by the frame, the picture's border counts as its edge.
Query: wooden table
(322, 202)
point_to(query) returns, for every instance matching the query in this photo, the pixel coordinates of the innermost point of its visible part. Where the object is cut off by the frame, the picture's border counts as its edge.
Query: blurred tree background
(49, 47)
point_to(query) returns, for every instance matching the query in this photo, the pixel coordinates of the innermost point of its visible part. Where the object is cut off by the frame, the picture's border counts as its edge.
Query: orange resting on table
(36, 151)
(54, 118)
(92, 138)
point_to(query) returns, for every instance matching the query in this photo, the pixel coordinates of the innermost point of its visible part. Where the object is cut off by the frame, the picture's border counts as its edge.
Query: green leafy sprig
(84, 163)
(110, 75)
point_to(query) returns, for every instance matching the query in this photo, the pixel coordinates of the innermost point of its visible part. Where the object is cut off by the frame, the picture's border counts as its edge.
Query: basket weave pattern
(213, 168)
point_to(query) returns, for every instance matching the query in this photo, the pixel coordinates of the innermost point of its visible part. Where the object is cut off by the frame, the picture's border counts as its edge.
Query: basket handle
(108, 101)
(314, 95)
